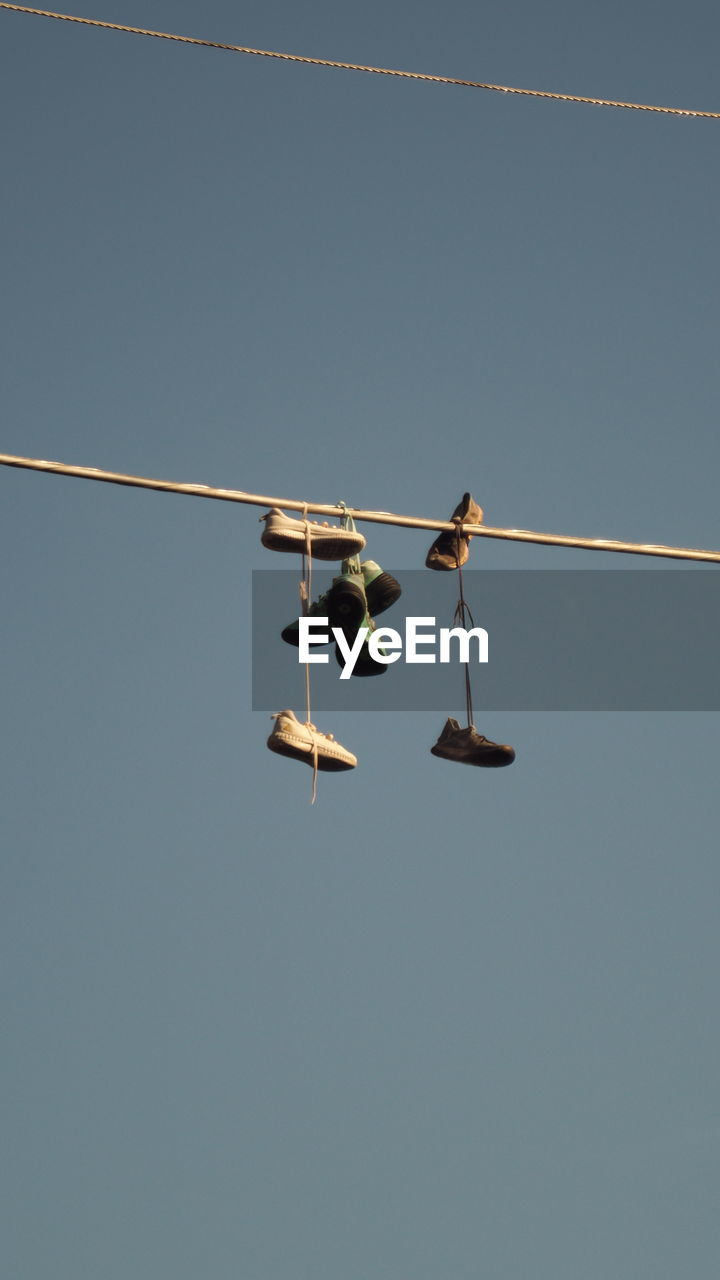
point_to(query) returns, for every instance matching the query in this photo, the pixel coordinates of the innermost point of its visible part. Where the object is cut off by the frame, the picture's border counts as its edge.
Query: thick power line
(338, 509)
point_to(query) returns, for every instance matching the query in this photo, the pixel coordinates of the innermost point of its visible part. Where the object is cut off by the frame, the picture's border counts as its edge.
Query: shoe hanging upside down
(327, 542)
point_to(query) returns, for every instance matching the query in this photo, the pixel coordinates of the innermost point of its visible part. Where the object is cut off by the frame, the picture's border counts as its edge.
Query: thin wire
(374, 517)
(357, 66)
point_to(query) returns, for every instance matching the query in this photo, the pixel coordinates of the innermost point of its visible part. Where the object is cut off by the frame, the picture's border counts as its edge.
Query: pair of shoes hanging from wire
(464, 746)
(366, 578)
(361, 591)
(355, 599)
(358, 594)
(292, 737)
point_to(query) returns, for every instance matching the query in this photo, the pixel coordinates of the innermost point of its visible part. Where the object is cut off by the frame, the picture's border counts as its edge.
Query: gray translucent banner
(558, 640)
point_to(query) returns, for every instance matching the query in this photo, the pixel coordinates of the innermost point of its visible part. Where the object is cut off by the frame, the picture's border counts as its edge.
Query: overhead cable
(376, 517)
(357, 66)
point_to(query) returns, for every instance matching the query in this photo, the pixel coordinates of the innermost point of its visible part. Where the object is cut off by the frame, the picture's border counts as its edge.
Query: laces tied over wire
(352, 563)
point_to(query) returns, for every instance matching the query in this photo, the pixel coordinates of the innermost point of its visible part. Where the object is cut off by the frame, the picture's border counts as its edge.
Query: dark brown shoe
(467, 746)
(447, 547)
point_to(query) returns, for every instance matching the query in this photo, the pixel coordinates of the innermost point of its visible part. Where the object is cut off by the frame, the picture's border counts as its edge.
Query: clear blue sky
(444, 1024)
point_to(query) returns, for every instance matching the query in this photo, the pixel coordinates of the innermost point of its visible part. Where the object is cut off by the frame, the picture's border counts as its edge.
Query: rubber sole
(493, 760)
(291, 635)
(285, 745)
(346, 605)
(381, 593)
(365, 665)
(325, 545)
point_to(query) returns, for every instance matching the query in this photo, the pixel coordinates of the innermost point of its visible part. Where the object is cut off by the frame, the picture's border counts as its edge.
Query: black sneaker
(318, 609)
(365, 664)
(345, 602)
(348, 610)
(344, 605)
(467, 746)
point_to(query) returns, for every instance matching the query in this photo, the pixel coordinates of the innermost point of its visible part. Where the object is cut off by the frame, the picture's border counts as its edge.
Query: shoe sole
(363, 667)
(330, 546)
(346, 605)
(381, 593)
(291, 635)
(284, 744)
(498, 763)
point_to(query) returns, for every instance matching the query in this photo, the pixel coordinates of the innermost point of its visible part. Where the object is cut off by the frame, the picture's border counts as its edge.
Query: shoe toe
(498, 756)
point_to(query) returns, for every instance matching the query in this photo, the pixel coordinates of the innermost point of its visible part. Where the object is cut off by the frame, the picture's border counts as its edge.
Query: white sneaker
(290, 737)
(327, 542)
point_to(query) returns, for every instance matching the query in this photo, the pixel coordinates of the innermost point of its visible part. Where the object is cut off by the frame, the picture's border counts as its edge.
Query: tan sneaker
(467, 746)
(327, 542)
(290, 737)
(444, 551)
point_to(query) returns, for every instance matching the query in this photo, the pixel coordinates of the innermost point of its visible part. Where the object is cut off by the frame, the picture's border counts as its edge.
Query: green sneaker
(357, 595)
(381, 589)
(344, 605)
(291, 633)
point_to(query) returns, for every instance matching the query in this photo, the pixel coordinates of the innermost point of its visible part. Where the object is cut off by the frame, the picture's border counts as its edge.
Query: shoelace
(329, 736)
(305, 588)
(306, 597)
(352, 563)
(461, 616)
